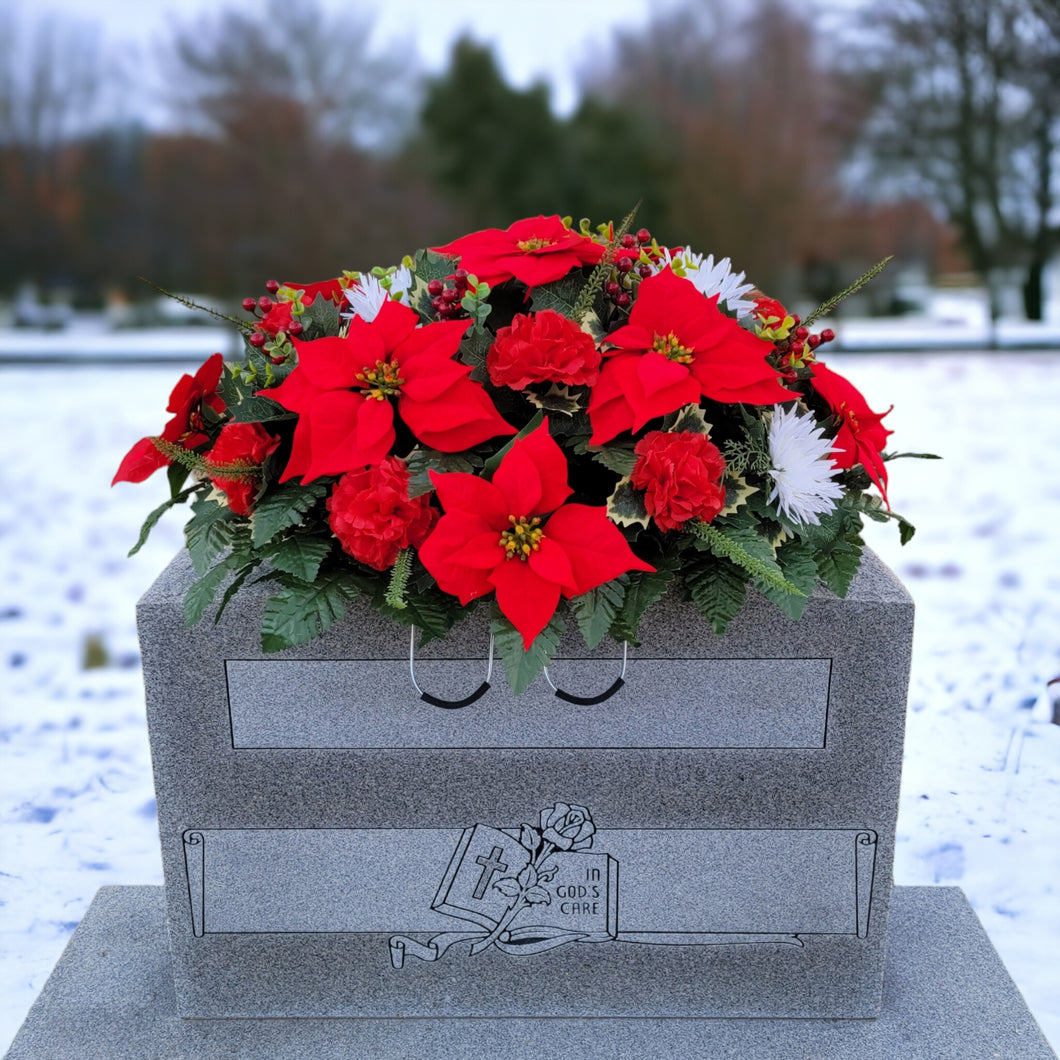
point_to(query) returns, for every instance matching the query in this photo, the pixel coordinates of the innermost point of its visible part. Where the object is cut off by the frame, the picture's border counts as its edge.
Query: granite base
(946, 997)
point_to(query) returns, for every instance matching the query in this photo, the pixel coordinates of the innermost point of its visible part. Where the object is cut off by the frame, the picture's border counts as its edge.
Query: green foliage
(201, 593)
(691, 418)
(826, 307)
(522, 666)
(284, 507)
(301, 612)
(422, 461)
(299, 556)
(625, 506)
(644, 588)
(399, 581)
(209, 532)
(596, 610)
(320, 319)
(432, 612)
(238, 391)
(494, 461)
(617, 458)
(152, 520)
(747, 549)
(718, 588)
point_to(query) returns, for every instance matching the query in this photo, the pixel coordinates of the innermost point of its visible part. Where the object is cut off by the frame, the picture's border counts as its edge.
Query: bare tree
(963, 100)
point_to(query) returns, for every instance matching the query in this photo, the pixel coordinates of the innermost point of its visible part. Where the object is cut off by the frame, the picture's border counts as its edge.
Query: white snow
(981, 788)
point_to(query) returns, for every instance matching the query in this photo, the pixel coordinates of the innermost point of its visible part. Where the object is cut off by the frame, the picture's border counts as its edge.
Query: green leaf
(233, 587)
(747, 549)
(625, 507)
(644, 588)
(837, 566)
(595, 610)
(433, 613)
(718, 588)
(689, 419)
(299, 612)
(300, 556)
(494, 461)
(615, 458)
(563, 296)
(427, 266)
(177, 474)
(200, 594)
(420, 462)
(559, 399)
(239, 396)
(284, 507)
(910, 456)
(151, 521)
(208, 533)
(320, 319)
(796, 562)
(522, 667)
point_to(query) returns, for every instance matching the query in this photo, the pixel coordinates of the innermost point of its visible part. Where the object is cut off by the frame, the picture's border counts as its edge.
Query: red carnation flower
(185, 428)
(536, 250)
(543, 347)
(676, 347)
(681, 475)
(373, 517)
(345, 391)
(240, 449)
(861, 437)
(500, 535)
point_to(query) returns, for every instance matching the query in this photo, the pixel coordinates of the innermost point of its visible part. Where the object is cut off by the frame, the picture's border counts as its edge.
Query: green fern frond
(724, 546)
(243, 325)
(826, 307)
(594, 285)
(399, 581)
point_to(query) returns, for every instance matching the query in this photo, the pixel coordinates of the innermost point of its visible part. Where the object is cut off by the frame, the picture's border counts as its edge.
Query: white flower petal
(802, 472)
(712, 278)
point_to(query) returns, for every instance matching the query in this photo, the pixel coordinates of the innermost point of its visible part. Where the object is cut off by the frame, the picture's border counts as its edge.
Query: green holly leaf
(690, 419)
(595, 610)
(299, 613)
(320, 319)
(284, 507)
(522, 666)
(625, 507)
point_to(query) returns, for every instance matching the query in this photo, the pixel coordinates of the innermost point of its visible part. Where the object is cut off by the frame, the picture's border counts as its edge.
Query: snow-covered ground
(981, 789)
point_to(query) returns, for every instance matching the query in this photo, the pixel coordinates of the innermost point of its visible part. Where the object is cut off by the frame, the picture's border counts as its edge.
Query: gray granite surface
(946, 997)
(744, 786)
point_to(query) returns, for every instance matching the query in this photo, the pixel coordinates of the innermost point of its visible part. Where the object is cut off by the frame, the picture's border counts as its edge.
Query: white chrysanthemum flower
(710, 278)
(802, 467)
(368, 294)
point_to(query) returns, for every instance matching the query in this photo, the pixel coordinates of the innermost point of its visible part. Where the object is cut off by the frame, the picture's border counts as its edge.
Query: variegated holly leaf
(625, 507)
(737, 490)
(556, 399)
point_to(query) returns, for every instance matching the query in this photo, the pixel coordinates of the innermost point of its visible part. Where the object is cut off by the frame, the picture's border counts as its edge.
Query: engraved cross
(489, 865)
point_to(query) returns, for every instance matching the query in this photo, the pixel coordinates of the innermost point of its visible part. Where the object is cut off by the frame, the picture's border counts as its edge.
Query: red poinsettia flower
(536, 250)
(345, 390)
(861, 437)
(676, 347)
(185, 428)
(516, 536)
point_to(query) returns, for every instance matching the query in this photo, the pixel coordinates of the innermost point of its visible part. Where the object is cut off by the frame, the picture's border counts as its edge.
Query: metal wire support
(448, 704)
(591, 701)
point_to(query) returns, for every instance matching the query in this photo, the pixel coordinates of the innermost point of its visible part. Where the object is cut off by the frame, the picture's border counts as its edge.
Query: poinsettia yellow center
(537, 243)
(382, 381)
(523, 538)
(670, 347)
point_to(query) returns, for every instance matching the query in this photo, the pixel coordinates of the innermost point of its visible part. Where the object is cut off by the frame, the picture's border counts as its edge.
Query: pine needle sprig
(595, 284)
(243, 325)
(399, 581)
(724, 547)
(238, 469)
(826, 307)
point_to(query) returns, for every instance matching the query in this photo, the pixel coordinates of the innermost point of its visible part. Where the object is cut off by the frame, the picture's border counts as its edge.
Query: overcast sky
(553, 39)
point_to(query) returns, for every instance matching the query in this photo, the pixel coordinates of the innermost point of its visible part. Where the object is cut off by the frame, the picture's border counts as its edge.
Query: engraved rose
(567, 827)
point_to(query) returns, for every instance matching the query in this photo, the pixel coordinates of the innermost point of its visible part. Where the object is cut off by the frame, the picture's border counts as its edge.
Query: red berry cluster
(628, 268)
(797, 350)
(262, 308)
(447, 295)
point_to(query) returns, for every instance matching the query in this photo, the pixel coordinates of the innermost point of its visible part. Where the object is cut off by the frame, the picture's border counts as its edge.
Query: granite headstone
(715, 839)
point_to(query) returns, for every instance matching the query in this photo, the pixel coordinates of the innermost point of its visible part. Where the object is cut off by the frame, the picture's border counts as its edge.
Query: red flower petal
(483, 551)
(140, 462)
(428, 377)
(610, 412)
(394, 324)
(533, 474)
(527, 600)
(461, 418)
(457, 579)
(471, 495)
(333, 363)
(594, 545)
(552, 563)
(347, 431)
